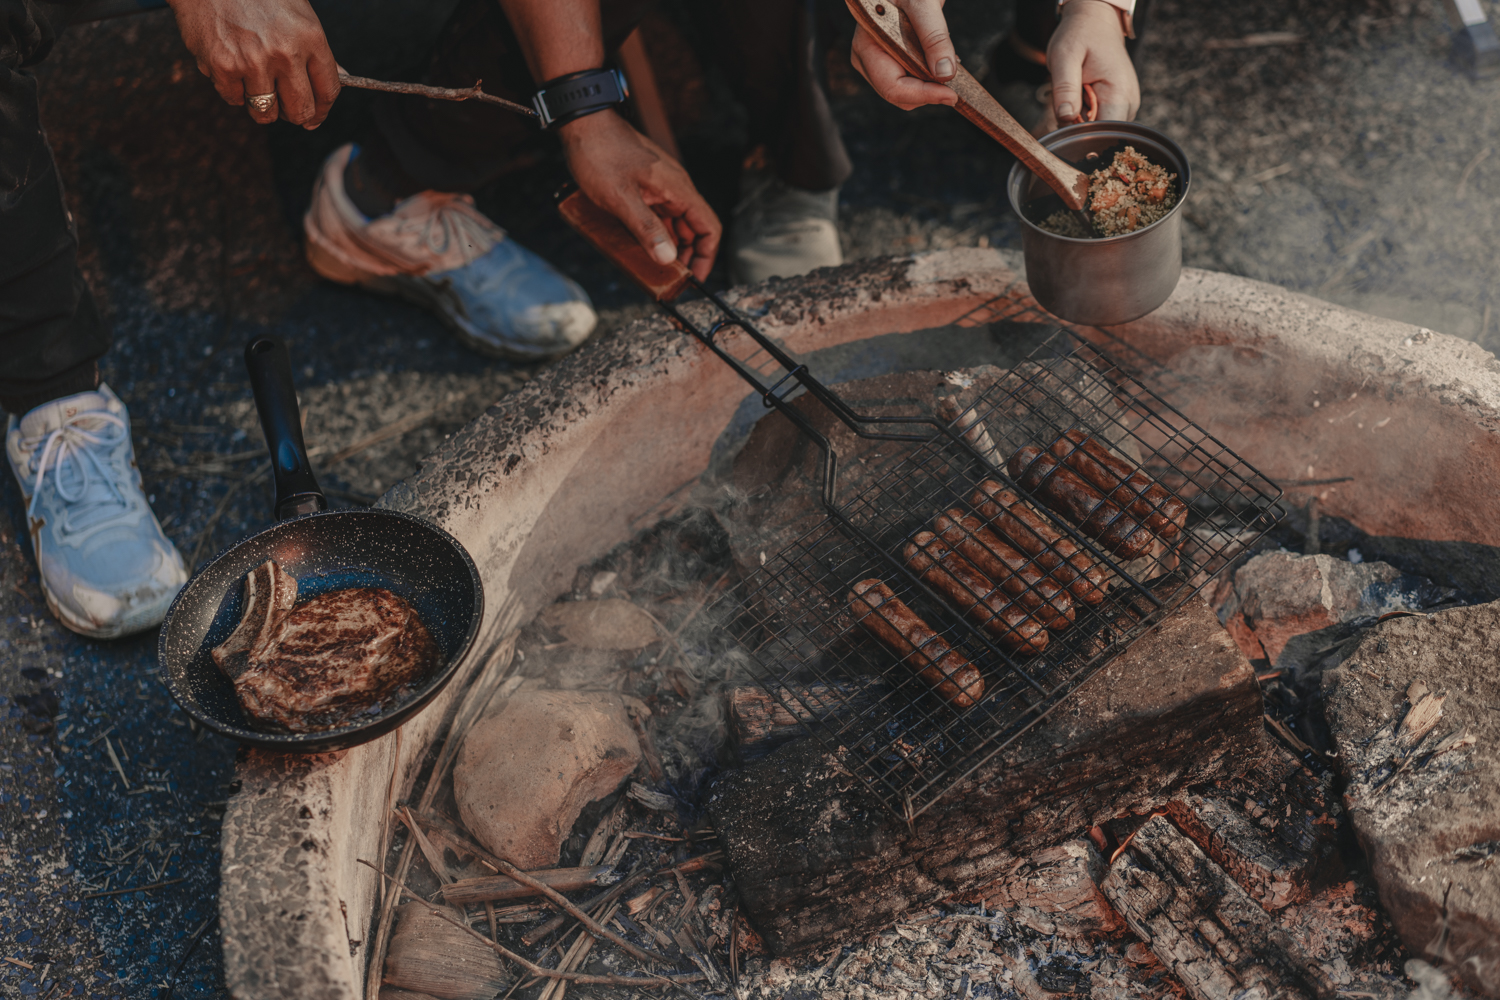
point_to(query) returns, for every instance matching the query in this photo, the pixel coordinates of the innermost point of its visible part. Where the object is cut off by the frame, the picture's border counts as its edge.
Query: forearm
(557, 36)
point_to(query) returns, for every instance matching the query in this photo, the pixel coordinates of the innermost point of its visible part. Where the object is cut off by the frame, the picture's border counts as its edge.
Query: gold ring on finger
(262, 102)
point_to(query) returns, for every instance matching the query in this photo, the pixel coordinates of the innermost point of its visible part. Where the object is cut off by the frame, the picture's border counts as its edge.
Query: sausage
(1026, 582)
(974, 595)
(887, 618)
(1068, 493)
(1145, 498)
(1028, 531)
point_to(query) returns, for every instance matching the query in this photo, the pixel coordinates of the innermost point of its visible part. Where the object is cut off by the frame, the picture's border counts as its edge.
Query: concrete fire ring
(614, 437)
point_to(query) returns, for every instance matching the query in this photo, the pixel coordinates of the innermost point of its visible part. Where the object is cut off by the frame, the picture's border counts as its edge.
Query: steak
(320, 664)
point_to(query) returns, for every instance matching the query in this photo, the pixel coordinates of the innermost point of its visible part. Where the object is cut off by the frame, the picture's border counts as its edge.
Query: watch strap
(570, 97)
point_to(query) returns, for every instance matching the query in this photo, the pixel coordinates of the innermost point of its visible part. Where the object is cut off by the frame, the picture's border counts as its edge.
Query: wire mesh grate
(1054, 599)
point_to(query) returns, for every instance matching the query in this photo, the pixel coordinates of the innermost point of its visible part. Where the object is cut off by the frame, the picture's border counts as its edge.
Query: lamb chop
(320, 664)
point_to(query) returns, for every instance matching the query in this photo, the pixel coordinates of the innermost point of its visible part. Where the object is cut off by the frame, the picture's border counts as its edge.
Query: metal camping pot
(1100, 282)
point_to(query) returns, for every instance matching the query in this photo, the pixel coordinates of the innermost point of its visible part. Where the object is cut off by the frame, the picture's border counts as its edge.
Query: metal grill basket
(857, 697)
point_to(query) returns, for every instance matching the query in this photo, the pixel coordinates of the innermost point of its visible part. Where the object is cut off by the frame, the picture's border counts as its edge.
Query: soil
(1355, 163)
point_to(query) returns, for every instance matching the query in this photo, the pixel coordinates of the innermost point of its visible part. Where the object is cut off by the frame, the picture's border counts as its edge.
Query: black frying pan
(325, 550)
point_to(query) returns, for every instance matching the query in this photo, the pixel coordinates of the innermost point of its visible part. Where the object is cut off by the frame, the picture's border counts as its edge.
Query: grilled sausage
(1068, 493)
(1021, 578)
(887, 618)
(974, 595)
(1145, 498)
(1028, 531)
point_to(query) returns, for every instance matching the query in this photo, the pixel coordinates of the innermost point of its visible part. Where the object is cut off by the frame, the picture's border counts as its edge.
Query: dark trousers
(51, 333)
(769, 51)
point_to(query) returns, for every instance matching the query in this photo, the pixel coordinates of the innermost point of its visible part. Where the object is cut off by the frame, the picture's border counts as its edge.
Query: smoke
(1432, 983)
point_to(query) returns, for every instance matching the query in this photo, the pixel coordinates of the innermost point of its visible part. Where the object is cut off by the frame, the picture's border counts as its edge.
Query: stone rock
(1278, 596)
(613, 623)
(1429, 822)
(430, 956)
(1056, 892)
(526, 771)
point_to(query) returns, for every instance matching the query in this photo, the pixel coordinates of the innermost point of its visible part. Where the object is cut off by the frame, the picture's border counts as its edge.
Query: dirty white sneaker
(107, 569)
(441, 252)
(781, 230)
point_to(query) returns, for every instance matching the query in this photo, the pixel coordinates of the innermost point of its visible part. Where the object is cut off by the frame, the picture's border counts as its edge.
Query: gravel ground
(1354, 163)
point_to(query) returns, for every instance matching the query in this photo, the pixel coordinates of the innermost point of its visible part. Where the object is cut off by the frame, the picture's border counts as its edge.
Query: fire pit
(615, 437)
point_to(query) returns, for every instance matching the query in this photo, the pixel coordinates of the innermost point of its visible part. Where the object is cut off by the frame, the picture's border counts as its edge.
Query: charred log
(1206, 929)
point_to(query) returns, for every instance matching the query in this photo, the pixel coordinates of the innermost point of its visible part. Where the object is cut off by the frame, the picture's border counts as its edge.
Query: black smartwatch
(577, 94)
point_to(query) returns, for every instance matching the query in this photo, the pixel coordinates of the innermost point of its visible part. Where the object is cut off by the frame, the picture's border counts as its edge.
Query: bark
(1203, 927)
(816, 857)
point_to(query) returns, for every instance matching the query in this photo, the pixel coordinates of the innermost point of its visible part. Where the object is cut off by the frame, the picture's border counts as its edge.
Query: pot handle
(663, 282)
(270, 370)
(890, 28)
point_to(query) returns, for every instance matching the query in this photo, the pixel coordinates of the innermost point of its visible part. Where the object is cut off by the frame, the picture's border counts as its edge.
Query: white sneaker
(107, 569)
(782, 231)
(441, 252)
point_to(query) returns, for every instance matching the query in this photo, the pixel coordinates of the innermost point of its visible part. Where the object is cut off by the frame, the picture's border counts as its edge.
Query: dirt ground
(1341, 155)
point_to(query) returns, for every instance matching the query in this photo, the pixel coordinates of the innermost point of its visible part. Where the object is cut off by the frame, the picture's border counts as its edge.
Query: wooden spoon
(890, 27)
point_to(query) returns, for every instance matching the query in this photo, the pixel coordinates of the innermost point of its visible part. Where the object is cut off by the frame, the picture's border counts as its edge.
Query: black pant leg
(458, 146)
(775, 60)
(51, 333)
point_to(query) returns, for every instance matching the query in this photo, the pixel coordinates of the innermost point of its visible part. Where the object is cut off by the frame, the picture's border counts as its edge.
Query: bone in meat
(324, 662)
(270, 592)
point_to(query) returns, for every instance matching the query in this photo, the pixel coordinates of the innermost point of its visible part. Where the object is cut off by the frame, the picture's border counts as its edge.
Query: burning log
(815, 857)
(1055, 891)
(1271, 830)
(1203, 926)
(760, 723)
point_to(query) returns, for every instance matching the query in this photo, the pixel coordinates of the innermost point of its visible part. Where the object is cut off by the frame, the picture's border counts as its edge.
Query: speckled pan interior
(329, 551)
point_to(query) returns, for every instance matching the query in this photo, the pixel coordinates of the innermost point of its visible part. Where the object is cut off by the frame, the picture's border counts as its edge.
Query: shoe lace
(454, 221)
(72, 448)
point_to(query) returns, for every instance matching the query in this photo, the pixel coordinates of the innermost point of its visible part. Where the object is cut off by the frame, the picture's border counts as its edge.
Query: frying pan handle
(270, 370)
(663, 282)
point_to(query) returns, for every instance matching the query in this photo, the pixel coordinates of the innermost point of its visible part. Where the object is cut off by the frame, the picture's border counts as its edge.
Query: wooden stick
(644, 954)
(648, 979)
(133, 888)
(347, 79)
(490, 888)
(396, 428)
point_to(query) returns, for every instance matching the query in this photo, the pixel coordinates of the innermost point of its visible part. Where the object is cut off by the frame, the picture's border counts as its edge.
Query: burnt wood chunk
(759, 722)
(1202, 926)
(1056, 891)
(817, 858)
(1270, 829)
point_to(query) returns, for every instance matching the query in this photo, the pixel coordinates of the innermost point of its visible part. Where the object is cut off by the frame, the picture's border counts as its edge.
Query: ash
(681, 899)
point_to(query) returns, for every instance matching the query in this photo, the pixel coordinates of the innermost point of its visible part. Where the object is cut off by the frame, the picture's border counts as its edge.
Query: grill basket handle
(663, 282)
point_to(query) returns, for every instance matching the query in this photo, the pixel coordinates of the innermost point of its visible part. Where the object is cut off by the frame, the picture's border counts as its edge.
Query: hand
(1089, 47)
(250, 47)
(629, 176)
(890, 79)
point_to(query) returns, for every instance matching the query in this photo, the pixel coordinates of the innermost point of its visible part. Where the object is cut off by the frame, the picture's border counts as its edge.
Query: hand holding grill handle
(663, 282)
(889, 26)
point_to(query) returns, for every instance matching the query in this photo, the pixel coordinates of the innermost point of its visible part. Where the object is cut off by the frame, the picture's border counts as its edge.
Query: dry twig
(347, 79)
(646, 979)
